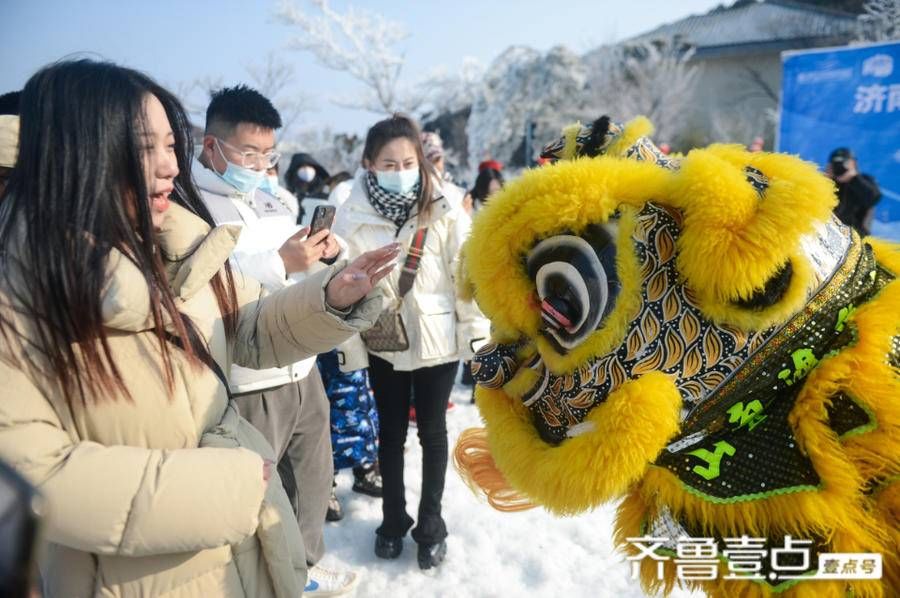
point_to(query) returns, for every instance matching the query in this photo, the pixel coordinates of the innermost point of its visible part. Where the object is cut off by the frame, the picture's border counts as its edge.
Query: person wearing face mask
(272, 185)
(306, 178)
(399, 197)
(287, 404)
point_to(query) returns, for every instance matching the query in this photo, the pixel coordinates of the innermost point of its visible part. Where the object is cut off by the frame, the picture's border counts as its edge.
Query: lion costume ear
(604, 137)
(744, 217)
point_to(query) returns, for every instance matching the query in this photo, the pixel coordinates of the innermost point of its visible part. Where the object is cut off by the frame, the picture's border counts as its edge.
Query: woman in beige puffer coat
(118, 319)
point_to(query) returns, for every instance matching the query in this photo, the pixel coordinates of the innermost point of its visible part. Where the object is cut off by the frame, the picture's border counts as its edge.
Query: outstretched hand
(362, 274)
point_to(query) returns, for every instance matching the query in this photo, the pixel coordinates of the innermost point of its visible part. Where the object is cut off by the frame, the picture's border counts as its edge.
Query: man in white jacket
(287, 404)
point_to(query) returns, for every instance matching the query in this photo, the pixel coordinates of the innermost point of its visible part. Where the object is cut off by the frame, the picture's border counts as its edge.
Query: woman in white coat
(398, 198)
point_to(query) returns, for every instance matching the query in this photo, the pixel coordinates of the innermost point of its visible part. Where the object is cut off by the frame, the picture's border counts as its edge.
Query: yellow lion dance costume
(699, 336)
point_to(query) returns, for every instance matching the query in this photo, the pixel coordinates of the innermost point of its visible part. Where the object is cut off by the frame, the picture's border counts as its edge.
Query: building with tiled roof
(739, 49)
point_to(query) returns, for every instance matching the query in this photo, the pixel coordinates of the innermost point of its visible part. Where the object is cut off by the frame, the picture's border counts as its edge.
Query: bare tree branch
(274, 79)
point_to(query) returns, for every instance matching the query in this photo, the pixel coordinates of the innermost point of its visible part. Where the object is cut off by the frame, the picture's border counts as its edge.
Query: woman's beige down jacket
(163, 494)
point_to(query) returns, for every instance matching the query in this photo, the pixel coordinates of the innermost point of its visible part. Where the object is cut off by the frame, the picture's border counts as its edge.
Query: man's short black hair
(231, 106)
(9, 103)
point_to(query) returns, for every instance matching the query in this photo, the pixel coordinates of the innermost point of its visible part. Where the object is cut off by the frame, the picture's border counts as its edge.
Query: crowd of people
(189, 359)
(182, 353)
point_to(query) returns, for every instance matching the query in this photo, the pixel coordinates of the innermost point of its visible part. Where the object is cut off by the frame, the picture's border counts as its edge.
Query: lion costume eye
(576, 280)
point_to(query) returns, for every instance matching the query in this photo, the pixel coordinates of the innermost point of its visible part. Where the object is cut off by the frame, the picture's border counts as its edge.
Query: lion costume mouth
(576, 282)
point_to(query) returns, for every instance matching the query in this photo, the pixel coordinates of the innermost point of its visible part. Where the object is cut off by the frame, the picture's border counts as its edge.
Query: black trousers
(428, 389)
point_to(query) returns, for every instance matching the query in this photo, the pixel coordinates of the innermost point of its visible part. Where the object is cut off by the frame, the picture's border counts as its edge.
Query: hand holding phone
(322, 218)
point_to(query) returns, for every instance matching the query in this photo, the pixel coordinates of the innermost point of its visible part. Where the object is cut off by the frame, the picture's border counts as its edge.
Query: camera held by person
(857, 193)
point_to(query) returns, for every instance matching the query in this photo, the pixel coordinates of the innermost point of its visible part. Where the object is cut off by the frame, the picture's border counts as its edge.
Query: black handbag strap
(202, 354)
(411, 265)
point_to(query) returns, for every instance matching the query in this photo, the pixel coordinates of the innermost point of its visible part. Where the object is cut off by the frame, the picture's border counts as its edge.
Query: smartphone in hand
(322, 218)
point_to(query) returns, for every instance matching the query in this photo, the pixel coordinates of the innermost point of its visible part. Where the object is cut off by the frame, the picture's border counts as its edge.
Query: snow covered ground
(489, 553)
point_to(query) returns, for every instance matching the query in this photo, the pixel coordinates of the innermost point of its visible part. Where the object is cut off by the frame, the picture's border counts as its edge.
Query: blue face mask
(270, 184)
(398, 181)
(243, 179)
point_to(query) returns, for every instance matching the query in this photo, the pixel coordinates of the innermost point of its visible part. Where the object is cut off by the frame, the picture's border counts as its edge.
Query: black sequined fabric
(738, 444)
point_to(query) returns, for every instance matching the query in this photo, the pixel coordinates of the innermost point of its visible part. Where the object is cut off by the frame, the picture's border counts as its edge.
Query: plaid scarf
(393, 206)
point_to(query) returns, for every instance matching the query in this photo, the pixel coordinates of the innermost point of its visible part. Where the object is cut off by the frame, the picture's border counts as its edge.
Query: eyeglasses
(252, 159)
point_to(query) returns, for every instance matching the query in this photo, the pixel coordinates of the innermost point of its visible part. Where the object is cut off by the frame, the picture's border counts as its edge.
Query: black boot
(335, 511)
(432, 555)
(467, 379)
(388, 548)
(367, 480)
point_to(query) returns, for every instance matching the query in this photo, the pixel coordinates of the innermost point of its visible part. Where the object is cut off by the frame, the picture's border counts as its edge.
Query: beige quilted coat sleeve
(278, 329)
(120, 499)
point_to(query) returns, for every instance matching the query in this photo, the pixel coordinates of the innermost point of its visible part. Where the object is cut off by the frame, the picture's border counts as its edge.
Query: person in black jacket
(857, 193)
(305, 177)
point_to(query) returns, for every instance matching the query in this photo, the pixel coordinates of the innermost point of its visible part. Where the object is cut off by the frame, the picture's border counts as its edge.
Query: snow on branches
(359, 43)
(880, 21)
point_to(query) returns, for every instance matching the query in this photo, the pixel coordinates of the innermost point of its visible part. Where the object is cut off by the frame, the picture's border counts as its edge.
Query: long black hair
(482, 188)
(79, 174)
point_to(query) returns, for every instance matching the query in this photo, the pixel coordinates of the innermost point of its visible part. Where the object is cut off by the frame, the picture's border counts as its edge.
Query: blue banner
(847, 97)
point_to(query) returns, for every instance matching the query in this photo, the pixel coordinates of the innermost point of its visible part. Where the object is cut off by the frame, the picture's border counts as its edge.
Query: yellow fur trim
(794, 298)
(887, 254)
(567, 197)
(631, 516)
(465, 288)
(862, 371)
(733, 242)
(630, 429)
(636, 128)
(800, 515)
(523, 381)
(887, 504)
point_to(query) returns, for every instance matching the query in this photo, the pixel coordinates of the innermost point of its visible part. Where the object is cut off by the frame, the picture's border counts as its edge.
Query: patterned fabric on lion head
(697, 335)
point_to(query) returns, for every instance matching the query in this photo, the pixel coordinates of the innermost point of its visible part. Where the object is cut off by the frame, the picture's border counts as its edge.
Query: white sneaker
(325, 582)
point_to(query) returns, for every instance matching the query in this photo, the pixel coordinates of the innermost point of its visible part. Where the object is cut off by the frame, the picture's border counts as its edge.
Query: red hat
(490, 165)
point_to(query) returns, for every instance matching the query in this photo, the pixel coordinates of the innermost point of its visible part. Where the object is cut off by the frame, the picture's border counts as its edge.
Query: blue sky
(178, 41)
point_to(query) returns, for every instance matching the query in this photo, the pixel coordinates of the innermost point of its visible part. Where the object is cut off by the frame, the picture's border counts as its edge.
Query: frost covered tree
(447, 90)
(880, 21)
(360, 43)
(522, 85)
(652, 78)
(335, 151)
(741, 124)
(195, 94)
